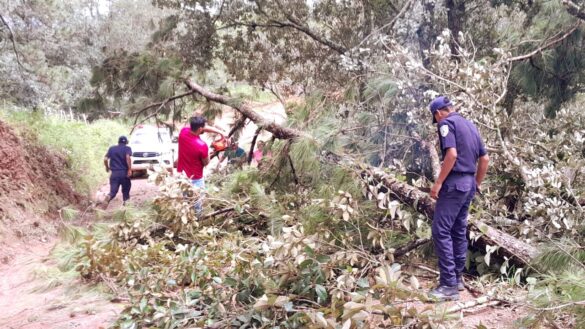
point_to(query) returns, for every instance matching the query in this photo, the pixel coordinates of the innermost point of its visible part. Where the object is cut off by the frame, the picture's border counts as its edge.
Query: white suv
(152, 146)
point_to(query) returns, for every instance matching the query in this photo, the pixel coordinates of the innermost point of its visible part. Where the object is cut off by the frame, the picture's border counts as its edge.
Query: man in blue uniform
(464, 166)
(119, 162)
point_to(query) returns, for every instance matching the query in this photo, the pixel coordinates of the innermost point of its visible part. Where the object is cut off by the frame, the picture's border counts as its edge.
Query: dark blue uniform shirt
(458, 132)
(117, 155)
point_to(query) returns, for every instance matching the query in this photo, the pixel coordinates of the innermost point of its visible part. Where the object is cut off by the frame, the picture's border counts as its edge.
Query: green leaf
(143, 303)
(321, 293)
(363, 283)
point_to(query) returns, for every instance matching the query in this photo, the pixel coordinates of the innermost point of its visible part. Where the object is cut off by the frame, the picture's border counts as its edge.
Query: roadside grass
(84, 144)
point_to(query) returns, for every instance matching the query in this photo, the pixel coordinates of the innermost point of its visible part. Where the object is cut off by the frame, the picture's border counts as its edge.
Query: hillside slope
(34, 185)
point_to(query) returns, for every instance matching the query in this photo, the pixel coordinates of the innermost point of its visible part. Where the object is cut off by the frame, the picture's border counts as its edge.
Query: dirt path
(34, 294)
(28, 299)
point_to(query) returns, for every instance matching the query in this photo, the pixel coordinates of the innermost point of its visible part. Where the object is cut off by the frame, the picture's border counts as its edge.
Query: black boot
(444, 293)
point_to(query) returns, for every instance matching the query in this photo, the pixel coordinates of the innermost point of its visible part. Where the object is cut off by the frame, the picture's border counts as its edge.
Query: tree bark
(455, 18)
(426, 32)
(517, 251)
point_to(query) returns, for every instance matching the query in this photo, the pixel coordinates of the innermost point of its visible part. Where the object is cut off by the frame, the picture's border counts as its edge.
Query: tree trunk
(455, 19)
(519, 252)
(426, 32)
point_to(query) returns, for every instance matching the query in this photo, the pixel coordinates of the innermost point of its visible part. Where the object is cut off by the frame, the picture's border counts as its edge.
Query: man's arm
(481, 170)
(129, 163)
(205, 161)
(106, 163)
(448, 163)
(212, 129)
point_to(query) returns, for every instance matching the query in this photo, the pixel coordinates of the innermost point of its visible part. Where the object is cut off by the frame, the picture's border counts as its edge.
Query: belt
(458, 173)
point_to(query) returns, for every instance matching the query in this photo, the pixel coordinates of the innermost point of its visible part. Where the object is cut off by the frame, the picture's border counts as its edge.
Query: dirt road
(34, 294)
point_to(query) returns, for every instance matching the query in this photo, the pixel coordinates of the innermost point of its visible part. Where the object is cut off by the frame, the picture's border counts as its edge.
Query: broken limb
(251, 153)
(378, 182)
(481, 302)
(403, 250)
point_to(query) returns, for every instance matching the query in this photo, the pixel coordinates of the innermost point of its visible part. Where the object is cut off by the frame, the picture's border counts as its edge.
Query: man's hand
(107, 169)
(478, 189)
(129, 173)
(435, 190)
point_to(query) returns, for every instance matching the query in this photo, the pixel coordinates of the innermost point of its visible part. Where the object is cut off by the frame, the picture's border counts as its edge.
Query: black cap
(122, 140)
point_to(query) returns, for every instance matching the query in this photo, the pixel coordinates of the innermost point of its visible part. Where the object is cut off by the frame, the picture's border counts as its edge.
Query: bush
(84, 144)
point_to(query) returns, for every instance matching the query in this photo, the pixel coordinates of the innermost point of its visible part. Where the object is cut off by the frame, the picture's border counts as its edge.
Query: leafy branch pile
(325, 270)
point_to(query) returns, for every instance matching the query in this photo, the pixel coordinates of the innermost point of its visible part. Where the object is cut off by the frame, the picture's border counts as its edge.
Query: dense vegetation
(356, 78)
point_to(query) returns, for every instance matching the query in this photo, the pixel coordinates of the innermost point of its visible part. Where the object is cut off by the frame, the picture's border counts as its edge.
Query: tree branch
(294, 23)
(403, 250)
(12, 40)
(160, 106)
(251, 153)
(277, 130)
(292, 167)
(390, 24)
(548, 44)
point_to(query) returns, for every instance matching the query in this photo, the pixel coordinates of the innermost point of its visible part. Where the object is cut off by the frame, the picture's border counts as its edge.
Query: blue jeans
(199, 183)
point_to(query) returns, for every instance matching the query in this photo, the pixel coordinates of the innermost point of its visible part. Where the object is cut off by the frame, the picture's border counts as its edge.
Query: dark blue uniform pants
(117, 180)
(450, 226)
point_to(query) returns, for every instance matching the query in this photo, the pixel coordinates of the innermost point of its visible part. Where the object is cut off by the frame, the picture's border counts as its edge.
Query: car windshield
(150, 137)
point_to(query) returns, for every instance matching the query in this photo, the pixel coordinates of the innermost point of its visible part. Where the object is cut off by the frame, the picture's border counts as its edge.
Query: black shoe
(444, 293)
(460, 284)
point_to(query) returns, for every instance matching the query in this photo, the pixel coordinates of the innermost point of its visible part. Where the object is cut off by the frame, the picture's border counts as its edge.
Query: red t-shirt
(192, 151)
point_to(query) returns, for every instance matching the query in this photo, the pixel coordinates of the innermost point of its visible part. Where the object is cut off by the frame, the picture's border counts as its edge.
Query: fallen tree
(519, 252)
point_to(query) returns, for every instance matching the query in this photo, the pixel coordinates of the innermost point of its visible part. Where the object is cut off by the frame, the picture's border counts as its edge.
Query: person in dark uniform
(118, 161)
(465, 163)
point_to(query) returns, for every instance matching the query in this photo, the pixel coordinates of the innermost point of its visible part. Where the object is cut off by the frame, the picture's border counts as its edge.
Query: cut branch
(219, 212)
(277, 130)
(410, 246)
(484, 301)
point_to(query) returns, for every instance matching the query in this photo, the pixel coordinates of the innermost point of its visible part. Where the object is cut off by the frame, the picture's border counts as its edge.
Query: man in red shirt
(194, 154)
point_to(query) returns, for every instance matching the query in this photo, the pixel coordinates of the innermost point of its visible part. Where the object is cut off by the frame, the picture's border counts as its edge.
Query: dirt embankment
(34, 185)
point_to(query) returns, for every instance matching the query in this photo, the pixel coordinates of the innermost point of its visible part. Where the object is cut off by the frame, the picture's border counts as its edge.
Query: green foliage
(251, 93)
(84, 144)
(565, 254)
(561, 292)
(311, 264)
